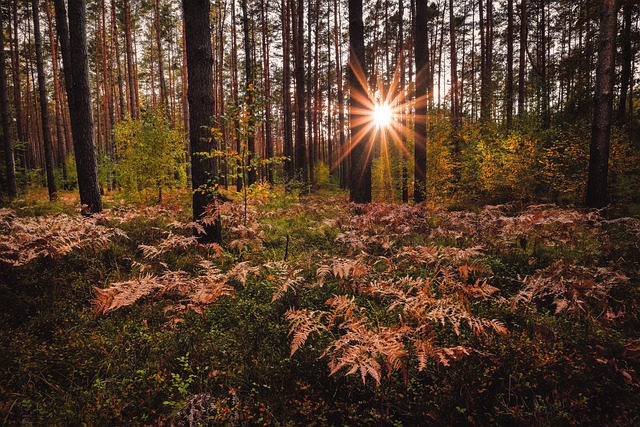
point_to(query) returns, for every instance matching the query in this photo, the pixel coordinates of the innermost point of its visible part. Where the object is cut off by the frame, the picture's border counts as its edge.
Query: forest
(305, 212)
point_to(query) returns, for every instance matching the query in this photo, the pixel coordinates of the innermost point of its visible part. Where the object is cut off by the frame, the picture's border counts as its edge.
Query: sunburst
(380, 116)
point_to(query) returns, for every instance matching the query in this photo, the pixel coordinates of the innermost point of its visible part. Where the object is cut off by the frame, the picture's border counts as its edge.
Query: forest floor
(317, 312)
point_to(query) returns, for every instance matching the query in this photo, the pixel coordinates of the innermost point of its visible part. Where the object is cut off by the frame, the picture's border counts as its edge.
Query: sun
(382, 115)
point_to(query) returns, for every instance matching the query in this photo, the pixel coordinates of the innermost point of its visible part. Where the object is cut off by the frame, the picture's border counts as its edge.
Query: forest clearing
(295, 212)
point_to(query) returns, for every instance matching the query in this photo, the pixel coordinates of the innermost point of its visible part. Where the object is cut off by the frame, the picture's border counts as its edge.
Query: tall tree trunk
(455, 101)
(131, 84)
(81, 120)
(597, 194)
(509, 83)
(164, 102)
(523, 52)
(15, 66)
(268, 137)
(250, 94)
(403, 100)
(309, 99)
(114, 35)
(44, 107)
(58, 98)
(627, 59)
(286, 91)
(421, 95)
(360, 134)
(235, 90)
(344, 157)
(107, 108)
(201, 105)
(301, 171)
(9, 160)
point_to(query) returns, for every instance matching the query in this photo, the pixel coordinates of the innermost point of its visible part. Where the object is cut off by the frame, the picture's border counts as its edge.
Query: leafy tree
(149, 152)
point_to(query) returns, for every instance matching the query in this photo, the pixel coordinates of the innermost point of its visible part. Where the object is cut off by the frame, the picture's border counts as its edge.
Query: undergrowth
(317, 312)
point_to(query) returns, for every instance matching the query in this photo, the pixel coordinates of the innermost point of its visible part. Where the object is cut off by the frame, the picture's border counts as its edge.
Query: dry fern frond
(302, 324)
(577, 290)
(25, 239)
(288, 277)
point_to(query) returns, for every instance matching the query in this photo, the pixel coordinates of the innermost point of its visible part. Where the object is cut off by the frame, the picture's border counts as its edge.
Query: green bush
(150, 155)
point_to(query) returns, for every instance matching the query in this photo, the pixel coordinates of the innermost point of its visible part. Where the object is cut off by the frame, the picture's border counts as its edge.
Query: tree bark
(201, 107)
(523, 51)
(9, 160)
(164, 102)
(58, 99)
(627, 59)
(343, 156)
(509, 83)
(421, 97)
(131, 90)
(286, 91)
(597, 193)
(360, 135)
(249, 95)
(44, 107)
(268, 139)
(81, 120)
(301, 172)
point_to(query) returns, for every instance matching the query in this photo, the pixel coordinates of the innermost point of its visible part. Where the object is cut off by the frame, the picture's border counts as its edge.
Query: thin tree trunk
(131, 90)
(249, 96)
(509, 83)
(58, 99)
(301, 171)
(15, 66)
(163, 86)
(114, 35)
(44, 107)
(287, 144)
(9, 160)
(267, 87)
(344, 156)
(523, 51)
(627, 58)
(403, 100)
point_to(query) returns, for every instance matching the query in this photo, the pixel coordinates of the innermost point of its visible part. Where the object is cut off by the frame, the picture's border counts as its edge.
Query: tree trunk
(81, 120)
(523, 51)
(44, 107)
(403, 100)
(9, 161)
(360, 134)
(455, 101)
(509, 83)
(250, 94)
(131, 91)
(201, 104)
(597, 194)
(58, 99)
(421, 95)
(286, 92)
(164, 102)
(298, 53)
(15, 66)
(343, 156)
(627, 59)
(114, 34)
(268, 139)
